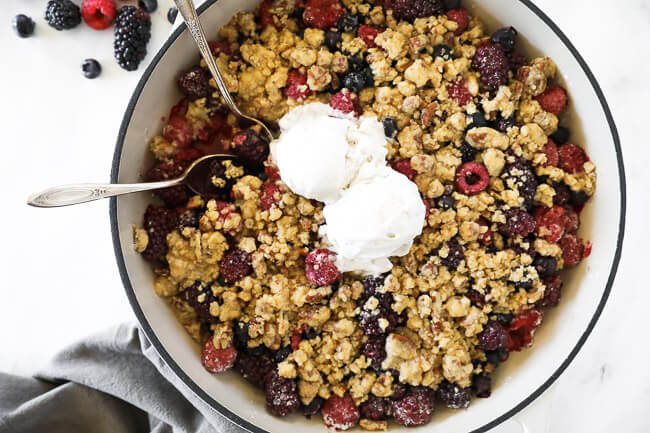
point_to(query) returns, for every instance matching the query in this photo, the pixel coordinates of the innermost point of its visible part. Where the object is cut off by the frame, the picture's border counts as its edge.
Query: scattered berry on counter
(553, 100)
(506, 37)
(98, 14)
(492, 65)
(91, 68)
(23, 25)
(472, 178)
(461, 17)
(62, 14)
(340, 413)
(409, 10)
(148, 5)
(217, 360)
(132, 33)
(172, 13)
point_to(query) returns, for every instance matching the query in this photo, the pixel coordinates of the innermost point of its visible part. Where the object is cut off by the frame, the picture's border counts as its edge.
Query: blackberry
(131, 35)
(478, 121)
(282, 354)
(561, 135)
(91, 68)
(281, 394)
(349, 23)
(482, 386)
(356, 64)
(415, 407)
(467, 152)
(376, 408)
(506, 37)
(200, 297)
(451, 4)
(552, 293)
(443, 51)
(251, 149)
(355, 81)
(493, 336)
(189, 218)
(445, 202)
(313, 407)
(174, 196)
(235, 265)
(409, 10)
(453, 396)
(518, 223)
(562, 194)
(476, 298)
(492, 64)
(496, 357)
(158, 222)
(148, 5)
(375, 350)
(455, 255)
(578, 198)
(195, 83)
(332, 39)
(371, 284)
(62, 14)
(172, 13)
(370, 321)
(390, 127)
(23, 25)
(254, 368)
(521, 177)
(545, 265)
(240, 335)
(216, 170)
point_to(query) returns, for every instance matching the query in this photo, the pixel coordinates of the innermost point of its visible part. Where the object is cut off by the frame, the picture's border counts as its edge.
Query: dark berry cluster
(132, 33)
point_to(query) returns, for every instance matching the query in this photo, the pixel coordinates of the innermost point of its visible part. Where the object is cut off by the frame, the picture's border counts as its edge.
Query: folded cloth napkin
(113, 382)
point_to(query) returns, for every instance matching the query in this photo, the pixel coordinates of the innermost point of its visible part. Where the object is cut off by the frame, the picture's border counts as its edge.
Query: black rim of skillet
(252, 428)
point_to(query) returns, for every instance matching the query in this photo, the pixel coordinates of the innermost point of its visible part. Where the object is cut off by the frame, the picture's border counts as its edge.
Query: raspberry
(376, 408)
(251, 149)
(520, 176)
(482, 386)
(62, 14)
(227, 213)
(322, 14)
(218, 47)
(195, 83)
(454, 256)
(340, 413)
(459, 93)
(553, 100)
(453, 396)
(281, 394)
(488, 237)
(346, 102)
(271, 195)
(472, 178)
(375, 350)
(132, 32)
(297, 87)
(174, 196)
(552, 293)
(266, 16)
(573, 250)
(476, 298)
(235, 265)
(313, 407)
(522, 330)
(368, 35)
(404, 166)
(415, 407)
(551, 222)
(253, 368)
(296, 336)
(409, 10)
(572, 220)
(217, 360)
(492, 63)
(572, 158)
(98, 14)
(200, 298)
(320, 268)
(493, 336)
(158, 222)
(518, 223)
(178, 129)
(460, 17)
(187, 156)
(551, 152)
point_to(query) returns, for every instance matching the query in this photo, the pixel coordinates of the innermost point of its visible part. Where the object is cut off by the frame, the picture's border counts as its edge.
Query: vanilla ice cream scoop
(319, 155)
(374, 221)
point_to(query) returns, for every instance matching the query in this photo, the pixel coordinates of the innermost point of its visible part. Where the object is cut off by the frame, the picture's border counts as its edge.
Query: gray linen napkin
(113, 382)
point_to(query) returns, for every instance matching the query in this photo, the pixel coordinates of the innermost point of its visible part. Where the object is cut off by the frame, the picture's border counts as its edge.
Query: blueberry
(356, 64)
(148, 5)
(578, 198)
(390, 127)
(443, 51)
(545, 266)
(23, 25)
(478, 121)
(349, 23)
(445, 202)
(369, 77)
(506, 37)
(91, 68)
(332, 39)
(355, 81)
(561, 136)
(171, 14)
(282, 354)
(452, 4)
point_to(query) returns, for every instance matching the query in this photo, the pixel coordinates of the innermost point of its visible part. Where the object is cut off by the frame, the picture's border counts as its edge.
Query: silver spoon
(196, 178)
(191, 18)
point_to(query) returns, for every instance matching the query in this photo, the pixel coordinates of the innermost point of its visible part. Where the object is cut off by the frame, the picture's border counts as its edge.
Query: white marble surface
(59, 279)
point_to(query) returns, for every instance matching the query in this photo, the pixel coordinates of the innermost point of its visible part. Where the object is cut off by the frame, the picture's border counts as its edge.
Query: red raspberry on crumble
(271, 170)
(551, 152)
(98, 14)
(217, 360)
(522, 329)
(178, 129)
(459, 93)
(266, 17)
(346, 102)
(296, 336)
(218, 47)
(472, 178)
(572, 158)
(228, 211)
(460, 17)
(551, 222)
(573, 250)
(415, 407)
(404, 166)
(271, 195)
(340, 413)
(553, 100)
(322, 14)
(297, 87)
(320, 268)
(368, 35)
